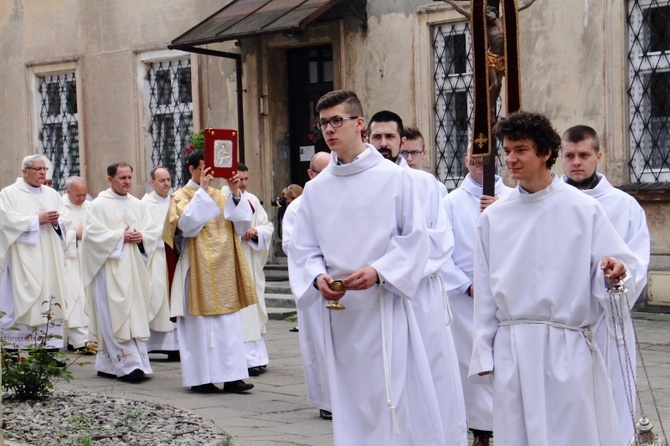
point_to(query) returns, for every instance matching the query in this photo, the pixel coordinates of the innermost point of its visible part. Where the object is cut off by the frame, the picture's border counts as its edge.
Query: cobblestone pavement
(276, 413)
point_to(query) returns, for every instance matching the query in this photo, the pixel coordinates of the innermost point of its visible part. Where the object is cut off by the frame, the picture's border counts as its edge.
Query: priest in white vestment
(385, 130)
(75, 317)
(163, 337)
(32, 244)
(359, 221)
(119, 238)
(580, 150)
(256, 244)
(311, 335)
(464, 206)
(541, 259)
(211, 282)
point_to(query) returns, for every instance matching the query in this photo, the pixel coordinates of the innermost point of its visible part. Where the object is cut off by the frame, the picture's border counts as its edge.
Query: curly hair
(534, 126)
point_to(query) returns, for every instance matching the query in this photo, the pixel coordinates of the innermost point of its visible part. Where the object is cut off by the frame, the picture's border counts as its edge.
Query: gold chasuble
(220, 282)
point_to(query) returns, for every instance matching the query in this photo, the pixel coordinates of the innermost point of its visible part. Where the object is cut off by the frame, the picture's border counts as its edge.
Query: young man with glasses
(33, 235)
(413, 148)
(360, 222)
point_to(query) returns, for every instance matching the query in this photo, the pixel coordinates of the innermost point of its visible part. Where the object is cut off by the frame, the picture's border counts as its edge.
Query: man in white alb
(580, 149)
(311, 337)
(464, 206)
(76, 320)
(119, 238)
(163, 335)
(32, 244)
(359, 221)
(256, 243)
(385, 130)
(541, 259)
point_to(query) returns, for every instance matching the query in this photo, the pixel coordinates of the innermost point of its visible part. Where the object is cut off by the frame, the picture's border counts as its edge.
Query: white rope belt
(586, 332)
(587, 335)
(449, 317)
(387, 378)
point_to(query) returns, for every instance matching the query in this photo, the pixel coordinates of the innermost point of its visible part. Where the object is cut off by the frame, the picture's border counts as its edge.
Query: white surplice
(366, 213)
(74, 310)
(254, 317)
(311, 335)
(32, 261)
(120, 284)
(432, 308)
(163, 335)
(538, 293)
(211, 347)
(462, 207)
(630, 222)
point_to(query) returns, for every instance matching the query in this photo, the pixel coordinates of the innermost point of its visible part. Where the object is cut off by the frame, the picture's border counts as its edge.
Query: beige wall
(103, 39)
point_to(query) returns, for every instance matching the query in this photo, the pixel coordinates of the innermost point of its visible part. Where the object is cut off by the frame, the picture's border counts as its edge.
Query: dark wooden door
(310, 75)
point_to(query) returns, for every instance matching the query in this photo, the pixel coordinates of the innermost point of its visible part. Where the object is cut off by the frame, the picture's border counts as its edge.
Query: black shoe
(294, 329)
(325, 414)
(70, 348)
(238, 386)
(255, 371)
(206, 388)
(173, 356)
(106, 375)
(135, 376)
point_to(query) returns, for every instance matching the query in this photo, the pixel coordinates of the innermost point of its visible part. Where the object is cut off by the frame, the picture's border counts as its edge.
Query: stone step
(276, 272)
(279, 287)
(279, 300)
(279, 305)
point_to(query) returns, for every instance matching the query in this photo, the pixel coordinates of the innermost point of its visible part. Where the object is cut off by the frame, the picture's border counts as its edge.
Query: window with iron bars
(452, 109)
(649, 89)
(59, 125)
(170, 106)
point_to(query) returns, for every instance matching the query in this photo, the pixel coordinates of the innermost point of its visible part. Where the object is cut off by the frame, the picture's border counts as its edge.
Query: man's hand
(362, 279)
(250, 234)
(323, 284)
(614, 269)
(50, 217)
(206, 177)
(234, 185)
(484, 373)
(486, 201)
(80, 232)
(133, 236)
(471, 291)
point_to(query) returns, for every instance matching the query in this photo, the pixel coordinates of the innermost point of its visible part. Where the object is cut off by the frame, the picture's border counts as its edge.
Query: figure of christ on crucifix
(496, 46)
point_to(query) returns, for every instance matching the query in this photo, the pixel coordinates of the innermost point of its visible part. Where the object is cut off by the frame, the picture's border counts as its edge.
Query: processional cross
(495, 57)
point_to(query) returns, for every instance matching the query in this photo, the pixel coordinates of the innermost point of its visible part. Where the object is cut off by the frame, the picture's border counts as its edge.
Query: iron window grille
(649, 90)
(452, 109)
(170, 105)
(59, 125)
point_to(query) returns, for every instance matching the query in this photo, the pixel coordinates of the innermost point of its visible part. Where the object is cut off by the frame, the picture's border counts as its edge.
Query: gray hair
(30, 160)
(71, 181)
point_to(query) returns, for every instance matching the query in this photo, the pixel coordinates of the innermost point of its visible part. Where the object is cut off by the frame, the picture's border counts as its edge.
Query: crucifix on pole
(495, 58)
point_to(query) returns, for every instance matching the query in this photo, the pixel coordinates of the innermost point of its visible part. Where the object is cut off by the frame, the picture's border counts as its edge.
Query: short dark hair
(195, 157)
(241, 167)
(336, 97)
(413, 133)
(579, 133)
(387, 116)
(534, 126)
(152, 174)
(114, 167)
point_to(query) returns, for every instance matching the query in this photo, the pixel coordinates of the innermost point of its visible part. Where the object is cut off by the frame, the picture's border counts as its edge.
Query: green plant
(30, 374)
(195, 142)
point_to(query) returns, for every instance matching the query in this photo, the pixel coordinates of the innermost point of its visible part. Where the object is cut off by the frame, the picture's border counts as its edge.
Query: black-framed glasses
(413, 153)
(335, 122)
(38, 169)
